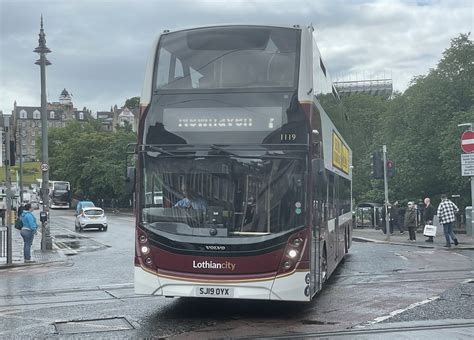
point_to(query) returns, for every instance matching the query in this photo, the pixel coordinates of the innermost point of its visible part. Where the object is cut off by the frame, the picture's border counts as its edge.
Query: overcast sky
(100, 47)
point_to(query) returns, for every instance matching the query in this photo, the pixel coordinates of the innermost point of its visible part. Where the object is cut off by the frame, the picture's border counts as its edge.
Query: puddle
(72, 244)
(69, 236)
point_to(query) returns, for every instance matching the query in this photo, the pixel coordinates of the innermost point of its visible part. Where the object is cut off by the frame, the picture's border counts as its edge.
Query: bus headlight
(148, 261)
(286, 265)
(143, 238)
(292, 253)
(297, 242)
(145, 250)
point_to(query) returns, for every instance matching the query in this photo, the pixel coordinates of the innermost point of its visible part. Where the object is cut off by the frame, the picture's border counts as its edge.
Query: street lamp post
(21, 166)
(42, 50)
(8, 192)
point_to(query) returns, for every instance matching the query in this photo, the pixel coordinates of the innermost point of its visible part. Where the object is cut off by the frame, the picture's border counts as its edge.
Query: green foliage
(92, 160)
(132, 103)
(420, 130)
(31, 172)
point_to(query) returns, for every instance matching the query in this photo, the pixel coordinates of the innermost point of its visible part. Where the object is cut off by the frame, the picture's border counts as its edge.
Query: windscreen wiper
(220, 148)
(157, 149)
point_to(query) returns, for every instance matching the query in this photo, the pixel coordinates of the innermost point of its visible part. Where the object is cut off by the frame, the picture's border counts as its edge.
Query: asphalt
(60, 253)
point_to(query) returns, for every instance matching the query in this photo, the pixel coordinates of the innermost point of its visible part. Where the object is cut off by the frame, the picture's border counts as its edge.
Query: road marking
(399, 311)
(403, 257)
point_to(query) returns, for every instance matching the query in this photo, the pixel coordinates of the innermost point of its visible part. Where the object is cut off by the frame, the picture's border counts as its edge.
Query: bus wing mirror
(319, 172)
(130, 180)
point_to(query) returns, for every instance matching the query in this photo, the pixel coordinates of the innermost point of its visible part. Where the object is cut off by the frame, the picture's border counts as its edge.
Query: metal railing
(3, 241)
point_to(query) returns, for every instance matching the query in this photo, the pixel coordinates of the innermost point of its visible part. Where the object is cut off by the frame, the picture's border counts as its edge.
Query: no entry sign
(467, 141)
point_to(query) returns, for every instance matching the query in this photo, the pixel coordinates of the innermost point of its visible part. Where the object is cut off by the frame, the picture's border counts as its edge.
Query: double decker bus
(60, 194)
(242, 133)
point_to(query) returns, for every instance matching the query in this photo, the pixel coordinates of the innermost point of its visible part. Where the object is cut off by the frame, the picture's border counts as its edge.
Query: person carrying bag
(28, 231)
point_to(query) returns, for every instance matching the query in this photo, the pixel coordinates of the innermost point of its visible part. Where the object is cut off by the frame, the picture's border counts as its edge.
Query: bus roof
(187, 28)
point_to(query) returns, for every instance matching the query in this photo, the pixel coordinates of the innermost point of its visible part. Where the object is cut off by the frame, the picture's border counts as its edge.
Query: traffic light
(12, 153)
(390, 169)
(377, 165)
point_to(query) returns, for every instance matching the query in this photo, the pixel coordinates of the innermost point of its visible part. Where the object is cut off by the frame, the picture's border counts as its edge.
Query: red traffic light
(390, 165)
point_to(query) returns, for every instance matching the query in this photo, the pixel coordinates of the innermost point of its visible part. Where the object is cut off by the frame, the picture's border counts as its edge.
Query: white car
(91, 217)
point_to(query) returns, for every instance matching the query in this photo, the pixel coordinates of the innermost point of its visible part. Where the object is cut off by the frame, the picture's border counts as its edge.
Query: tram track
(115, 292)
(350, 333)
(67, 296)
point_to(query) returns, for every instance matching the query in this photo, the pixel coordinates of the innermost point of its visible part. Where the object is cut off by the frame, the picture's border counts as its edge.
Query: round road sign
(467, 141)
(44, 167)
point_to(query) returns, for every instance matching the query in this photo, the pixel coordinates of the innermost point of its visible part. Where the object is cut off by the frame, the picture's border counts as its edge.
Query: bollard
(469, 222)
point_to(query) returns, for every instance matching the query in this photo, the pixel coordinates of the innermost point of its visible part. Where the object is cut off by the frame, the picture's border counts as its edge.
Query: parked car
(34, 201)
(91, 217)
(83, 204)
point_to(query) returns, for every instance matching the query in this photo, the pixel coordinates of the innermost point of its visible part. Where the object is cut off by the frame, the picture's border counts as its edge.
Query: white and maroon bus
(242, 133)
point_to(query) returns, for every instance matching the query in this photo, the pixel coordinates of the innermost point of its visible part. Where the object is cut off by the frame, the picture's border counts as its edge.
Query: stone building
(118, 117)
(26, 122)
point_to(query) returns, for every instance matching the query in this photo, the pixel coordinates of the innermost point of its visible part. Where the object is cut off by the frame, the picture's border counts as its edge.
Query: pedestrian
(420, 213)
(428, 216)
(446, 215)
(395, 218)
(28, 231)
(410, 221)
(386, 212)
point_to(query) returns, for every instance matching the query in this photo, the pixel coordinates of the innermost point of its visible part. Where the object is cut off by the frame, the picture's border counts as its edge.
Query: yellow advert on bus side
(340, 154)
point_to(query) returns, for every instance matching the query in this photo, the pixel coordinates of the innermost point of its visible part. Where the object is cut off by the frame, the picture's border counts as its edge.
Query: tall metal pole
(387, 219)
(21, 166)
(8, 184)
(46, 241)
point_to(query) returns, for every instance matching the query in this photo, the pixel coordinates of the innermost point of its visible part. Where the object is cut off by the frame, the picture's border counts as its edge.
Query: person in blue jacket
(28, 231)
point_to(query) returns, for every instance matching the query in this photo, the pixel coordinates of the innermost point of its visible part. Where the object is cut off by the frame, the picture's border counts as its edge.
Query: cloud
(100, 48)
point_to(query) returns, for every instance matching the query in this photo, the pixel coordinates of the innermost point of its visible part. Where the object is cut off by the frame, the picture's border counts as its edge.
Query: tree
(419, 128)
(132, 103)
(91, 159)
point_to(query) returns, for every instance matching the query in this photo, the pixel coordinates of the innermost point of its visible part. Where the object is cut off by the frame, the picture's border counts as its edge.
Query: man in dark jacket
(395, 218)
(410, 220)
(428, 215)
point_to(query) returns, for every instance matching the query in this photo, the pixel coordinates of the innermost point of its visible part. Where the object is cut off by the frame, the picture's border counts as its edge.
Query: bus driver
(191, 201)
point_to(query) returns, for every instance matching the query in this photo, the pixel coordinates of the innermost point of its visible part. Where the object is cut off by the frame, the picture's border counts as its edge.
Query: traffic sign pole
(385, 181)
(467, 145)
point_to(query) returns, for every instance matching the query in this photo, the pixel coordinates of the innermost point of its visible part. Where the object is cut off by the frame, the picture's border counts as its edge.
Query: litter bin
(469, 221)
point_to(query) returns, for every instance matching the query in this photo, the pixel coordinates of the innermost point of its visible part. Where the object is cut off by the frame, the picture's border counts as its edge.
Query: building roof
(126, 113)
(30, 109)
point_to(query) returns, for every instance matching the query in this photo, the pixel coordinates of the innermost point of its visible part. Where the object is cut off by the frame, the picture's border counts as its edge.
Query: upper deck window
(228, 57)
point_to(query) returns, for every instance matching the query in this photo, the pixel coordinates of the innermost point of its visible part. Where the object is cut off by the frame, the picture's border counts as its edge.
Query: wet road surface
(92, 294)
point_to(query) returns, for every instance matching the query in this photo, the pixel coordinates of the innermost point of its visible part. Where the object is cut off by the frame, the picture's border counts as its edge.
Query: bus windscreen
(228, 57)
(237, 193)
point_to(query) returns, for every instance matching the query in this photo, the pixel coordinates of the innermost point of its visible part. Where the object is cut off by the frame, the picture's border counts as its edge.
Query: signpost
(467, 159)
(467, 141)
(467, 164)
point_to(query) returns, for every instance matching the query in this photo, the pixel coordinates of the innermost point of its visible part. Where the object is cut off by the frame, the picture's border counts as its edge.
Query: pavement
(377, 236)
(39, 257)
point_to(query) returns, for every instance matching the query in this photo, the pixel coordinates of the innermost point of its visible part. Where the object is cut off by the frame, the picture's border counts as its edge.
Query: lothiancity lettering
(213, 265)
